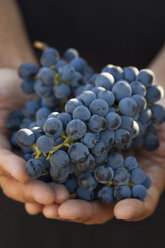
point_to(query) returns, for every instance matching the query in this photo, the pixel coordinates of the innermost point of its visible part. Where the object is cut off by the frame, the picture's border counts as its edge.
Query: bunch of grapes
(81, 124)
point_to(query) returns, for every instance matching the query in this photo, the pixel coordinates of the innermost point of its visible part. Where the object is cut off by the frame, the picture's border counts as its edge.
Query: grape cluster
(81, 124)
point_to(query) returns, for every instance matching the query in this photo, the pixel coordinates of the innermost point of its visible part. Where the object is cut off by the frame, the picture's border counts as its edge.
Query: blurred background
(120, 32)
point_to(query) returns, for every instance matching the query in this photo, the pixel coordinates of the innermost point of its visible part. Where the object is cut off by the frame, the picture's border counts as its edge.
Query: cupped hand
(153, 163)
(14, 181)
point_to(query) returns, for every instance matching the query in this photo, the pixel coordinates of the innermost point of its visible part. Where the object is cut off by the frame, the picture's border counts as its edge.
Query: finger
(51, 211)
(13, 166)
(85, 212)
(32, 191)
(33, 208)
(60, 192)
(135, 210)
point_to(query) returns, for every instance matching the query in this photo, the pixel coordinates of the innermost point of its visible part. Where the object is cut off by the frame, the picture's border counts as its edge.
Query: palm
(14, 181)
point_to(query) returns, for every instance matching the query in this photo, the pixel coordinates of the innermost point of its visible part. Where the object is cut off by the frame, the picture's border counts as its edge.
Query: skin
(51, 199)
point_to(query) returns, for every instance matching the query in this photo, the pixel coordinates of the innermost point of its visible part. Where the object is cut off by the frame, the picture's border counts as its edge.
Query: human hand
(14, 181)
(153, 163)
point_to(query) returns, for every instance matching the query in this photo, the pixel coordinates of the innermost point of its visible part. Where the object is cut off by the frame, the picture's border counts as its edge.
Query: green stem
(37, 152)
(56, 148)
(109, 184)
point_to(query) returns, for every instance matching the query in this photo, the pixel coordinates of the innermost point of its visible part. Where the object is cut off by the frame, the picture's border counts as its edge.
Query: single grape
(107, 96)
(130, 163)
(97, 90)
(53, 127)
(107, 137)
(88, 164)
(105, 80)
(72, 104)
(49, 101)
(130, 73)
(122, 192)
(98, 149)
(101, 160)
(87, 97)
(27, 156)
(138, 176)
(65, 118)
(41, 115)
(37, 131)
(34, 167)
(84, 194)
(116, 71)
(128, 106)
(25, 123)
(151, 142)
(59, 63)
(93, 78)
(49, 57)
(127, 123)
(71, 185)
(99, 106)
(27, 86)
(53, 115)
(113, 121)
(121, 90)
(121, 176)
(115, 160)
(45, 165)
(78, 64)
(139, 192)
(103, 174)
(14, 120)
(77, 80)
(122, 137)
(27, 70)
(154, 93)
(13, 140)
(59, 175)
(78, 152)
(44, 144)
(71, 53)
(105, 195)
(89, 140)
(46, 76)
(138, 88)
(30, 108)
(141, 102)
(146, 76)
(81, 113)
(145, 116)
(147, 183)
(66, 72)
(158, 113)
(41, 89)
(25, 137)
(87, 181)
(61, 91)
(97, 123)
(76, 129)
(59, 159)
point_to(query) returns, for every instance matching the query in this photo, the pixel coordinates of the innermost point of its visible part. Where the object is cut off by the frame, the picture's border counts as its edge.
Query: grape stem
(58, 80)
(56, 148)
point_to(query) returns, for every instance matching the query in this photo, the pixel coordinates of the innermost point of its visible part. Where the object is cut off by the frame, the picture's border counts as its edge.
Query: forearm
(15, 47)
(158, 66)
